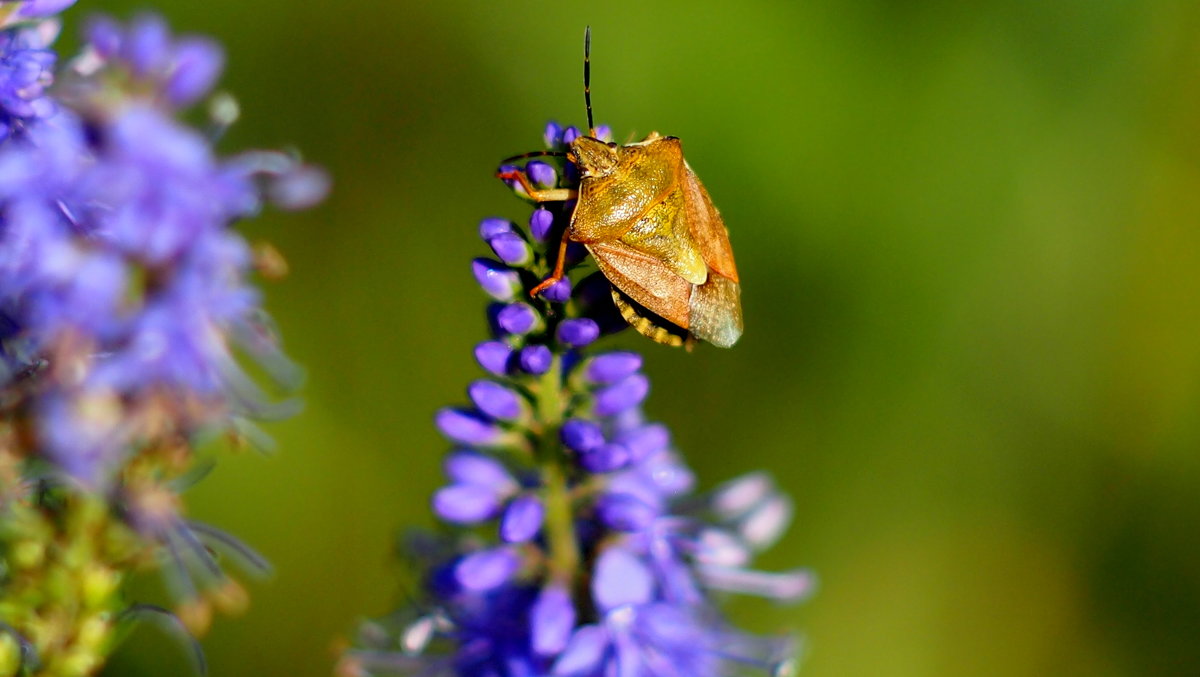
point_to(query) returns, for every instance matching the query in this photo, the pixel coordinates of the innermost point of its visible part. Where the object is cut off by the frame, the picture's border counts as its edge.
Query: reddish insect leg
(558, 268)
(550, 195)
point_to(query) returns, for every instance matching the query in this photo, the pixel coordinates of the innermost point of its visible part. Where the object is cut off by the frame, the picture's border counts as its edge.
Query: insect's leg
(550, 195)
(558, 268)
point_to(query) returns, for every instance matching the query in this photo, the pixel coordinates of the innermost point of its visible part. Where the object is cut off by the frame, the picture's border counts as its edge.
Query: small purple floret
(609, 368)
(466, 427)
(497, 401)
(469, 467)
(536, 359)
(578, 332)
(581, 435)
(518, 318)
(498, 280)
(621, 578)
(511, 248)
(559, 292)
(541, 174)
(627, 393)
(493, 226)
(645, 440)
(540, 223)
(625, 512)
(522, 519)
(570, 134)
(605, 458)
(552, 619)
(465, 503)
(486, 569)
(493, 356)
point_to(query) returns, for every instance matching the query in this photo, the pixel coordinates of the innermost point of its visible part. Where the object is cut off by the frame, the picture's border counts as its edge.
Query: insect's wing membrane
(645, 279)
(715, 311)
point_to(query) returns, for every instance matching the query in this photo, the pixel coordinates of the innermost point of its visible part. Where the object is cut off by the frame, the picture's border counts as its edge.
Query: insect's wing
(715, 311)
(715, 307)
(645, 279)
(707, 226)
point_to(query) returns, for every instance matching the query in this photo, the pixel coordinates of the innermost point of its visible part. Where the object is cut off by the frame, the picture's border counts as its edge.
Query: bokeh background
(970, 241)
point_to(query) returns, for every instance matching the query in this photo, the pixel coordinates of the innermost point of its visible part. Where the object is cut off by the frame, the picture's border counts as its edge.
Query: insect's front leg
(549, 195)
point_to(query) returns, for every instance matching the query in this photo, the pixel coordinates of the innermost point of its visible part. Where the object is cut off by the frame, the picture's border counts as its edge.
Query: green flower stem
(560, 524)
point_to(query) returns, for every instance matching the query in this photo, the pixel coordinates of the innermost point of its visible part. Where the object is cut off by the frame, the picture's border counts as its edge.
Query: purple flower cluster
(123, 288)
(576, 542)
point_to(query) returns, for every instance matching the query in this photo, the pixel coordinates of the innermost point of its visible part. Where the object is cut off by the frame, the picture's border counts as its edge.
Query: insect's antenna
(587, 78)
(535, 153)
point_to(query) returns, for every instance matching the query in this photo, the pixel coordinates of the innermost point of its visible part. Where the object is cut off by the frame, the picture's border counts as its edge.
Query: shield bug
(650, 225)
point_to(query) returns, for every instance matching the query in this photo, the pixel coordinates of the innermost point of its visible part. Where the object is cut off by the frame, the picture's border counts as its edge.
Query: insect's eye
(611, 145)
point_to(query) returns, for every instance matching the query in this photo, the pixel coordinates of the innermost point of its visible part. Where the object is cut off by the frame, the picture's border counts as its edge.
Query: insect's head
(594, 157)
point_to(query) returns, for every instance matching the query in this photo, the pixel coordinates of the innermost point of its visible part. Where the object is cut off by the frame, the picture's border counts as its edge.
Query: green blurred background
(968, 235)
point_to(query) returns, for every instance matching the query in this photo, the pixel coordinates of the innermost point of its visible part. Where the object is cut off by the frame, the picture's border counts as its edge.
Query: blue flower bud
(147, 44)
(570, 134)
(469, 467)
(486, 569)
(621, 578)
(609, 368)
(604, 133)
(511, 248)
(605, 458)
(552, 619)
(553, 134)
(581, 436)
(465, 503)
(496, 400)
(493, 356)
(645, 440)
(536, 359)
(498, 280)
(584, 653)
(629, 392)
(518, 318)
(625, 512)
(522, 519)
(578, 332)
(559, 292)
(541, 174)
(540, 223)
(493, 226)
(467, 427)
(198, 63)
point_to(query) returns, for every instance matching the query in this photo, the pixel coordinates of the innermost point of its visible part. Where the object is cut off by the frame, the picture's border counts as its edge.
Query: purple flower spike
(522, 519)
(467, 427)
(198, 63)
(541, 174)
(498, 280)
(493, 356)
(493, 226)
(497, 401)
(621, 578)
(465, 503)
(579, 332)
(570, 134)
(540, 223)
(511, 249)
(627, 393)
(626, 512)
(581, 436)
(605, 458)
(552, 619)
(612, 367)
(559, 292)
(486, 569)
(518, 318)
(536, 360)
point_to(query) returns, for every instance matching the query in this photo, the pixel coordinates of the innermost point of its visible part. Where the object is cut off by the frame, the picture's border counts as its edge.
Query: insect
(653, 230)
